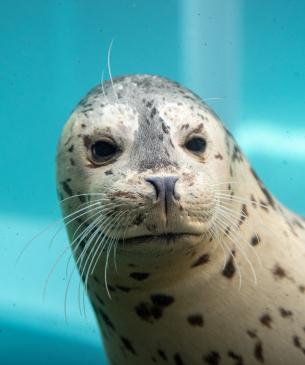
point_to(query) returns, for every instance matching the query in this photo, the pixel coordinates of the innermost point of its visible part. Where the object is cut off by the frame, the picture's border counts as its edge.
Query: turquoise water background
(246, 58)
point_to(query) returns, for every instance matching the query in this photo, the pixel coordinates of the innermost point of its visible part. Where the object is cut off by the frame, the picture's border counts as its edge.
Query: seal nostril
(164, 187)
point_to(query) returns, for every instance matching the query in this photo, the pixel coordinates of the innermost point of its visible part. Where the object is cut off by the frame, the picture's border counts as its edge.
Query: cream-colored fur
(231, 289)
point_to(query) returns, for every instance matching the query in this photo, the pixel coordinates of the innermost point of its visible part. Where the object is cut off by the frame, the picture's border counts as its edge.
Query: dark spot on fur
(123, 288)
(148, 312)
(237, 155)
(81, 197)
(219, 156)
(255, 240)
(258, 351)
(243, 215)
(106, 319)
(198, 129)
(139, 219)
(164, 128)
(227, 230)
(99, 299)
(279, 272)
(302, 289)
(153, 112)
(68, 140)
(297, 343)
(72, 162)
(111, 288)
(87, 141)
(238, 359)
(252, 334)
(201, 260)
(128, 345)
(195, 320)
(184, 126)
(83, 125)
(298, 224)
(213, 358)
(162, 300)
(178, 360)
(229, 269)
(285, 313)
(266, 320)
(139, 275)
(67, 188)
(108, 172)
(71, 148)
(264, 190)
(162, 354)
(253, 201)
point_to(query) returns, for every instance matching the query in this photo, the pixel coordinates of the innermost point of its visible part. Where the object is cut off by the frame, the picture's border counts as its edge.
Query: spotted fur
(207, 266)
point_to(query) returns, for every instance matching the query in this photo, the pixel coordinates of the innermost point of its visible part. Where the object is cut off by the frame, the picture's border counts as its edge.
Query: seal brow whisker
(109, 68)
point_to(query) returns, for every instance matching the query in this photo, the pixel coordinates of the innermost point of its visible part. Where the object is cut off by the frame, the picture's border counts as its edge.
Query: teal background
(246, 58)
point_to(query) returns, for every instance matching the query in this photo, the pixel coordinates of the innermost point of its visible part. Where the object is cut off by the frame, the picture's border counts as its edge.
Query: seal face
(181, 247)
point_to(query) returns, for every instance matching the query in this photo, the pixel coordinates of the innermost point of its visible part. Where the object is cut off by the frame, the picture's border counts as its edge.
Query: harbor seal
(186, 256)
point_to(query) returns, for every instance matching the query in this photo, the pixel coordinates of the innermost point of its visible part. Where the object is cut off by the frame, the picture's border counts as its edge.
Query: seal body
(186, 256)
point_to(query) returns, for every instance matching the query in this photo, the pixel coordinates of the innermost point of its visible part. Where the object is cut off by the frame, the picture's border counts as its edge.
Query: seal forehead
(152, 109)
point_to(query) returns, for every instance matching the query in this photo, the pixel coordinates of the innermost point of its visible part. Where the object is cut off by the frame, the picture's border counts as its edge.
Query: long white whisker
(109, 69)
(231, 254)
(235, 229)
(223, 226)
(107, 224)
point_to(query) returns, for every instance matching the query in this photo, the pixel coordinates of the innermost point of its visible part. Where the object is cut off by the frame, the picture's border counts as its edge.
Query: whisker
(223, 227)
(232, 255)
(109, 69)
(95, 222)
(107, 224)
(56, 222)
(240, 199)
(235, 229)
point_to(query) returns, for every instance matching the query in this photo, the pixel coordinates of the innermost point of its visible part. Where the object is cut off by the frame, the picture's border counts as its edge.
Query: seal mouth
(162, 238)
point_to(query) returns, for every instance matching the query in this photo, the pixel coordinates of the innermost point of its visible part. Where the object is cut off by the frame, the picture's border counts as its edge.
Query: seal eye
(103, 151)
(196, 144)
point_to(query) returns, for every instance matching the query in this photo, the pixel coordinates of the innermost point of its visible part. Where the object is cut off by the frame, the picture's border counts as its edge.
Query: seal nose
(164, 187)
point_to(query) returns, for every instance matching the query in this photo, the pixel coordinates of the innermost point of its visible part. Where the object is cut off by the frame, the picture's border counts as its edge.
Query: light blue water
(248, 58)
